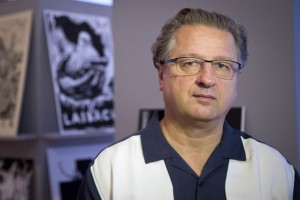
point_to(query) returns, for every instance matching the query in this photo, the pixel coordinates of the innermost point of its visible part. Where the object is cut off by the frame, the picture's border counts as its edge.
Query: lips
(204, 97)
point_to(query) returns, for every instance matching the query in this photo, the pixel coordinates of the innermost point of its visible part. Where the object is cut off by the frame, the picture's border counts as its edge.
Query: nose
(206, 77)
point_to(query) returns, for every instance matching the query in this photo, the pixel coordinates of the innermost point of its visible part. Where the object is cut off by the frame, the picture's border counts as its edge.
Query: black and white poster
(81, 57)
(16, 179)
(15, 31)
(67, 166)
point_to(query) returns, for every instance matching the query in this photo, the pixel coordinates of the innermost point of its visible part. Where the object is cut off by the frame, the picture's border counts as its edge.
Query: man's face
(203, 96)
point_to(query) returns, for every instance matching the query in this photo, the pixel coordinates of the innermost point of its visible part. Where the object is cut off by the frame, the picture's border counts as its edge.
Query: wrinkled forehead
(203, 40)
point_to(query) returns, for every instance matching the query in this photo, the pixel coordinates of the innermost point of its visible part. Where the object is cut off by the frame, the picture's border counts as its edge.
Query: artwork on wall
(82, 66)
(67, 166)
(16, 178)
(99, 2)
(15, 31)
(145, 115)
(235, 117)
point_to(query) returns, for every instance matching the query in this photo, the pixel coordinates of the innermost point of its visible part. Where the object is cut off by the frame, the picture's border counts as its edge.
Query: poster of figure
(67, 166)
(81, 57)
(15, 30)
(16, 179)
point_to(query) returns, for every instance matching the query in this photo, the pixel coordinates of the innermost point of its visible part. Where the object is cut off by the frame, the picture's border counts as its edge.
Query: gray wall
(297, 64)
(266, 86)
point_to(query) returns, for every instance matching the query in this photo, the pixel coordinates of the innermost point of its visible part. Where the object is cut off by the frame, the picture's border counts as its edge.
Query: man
(191, 152)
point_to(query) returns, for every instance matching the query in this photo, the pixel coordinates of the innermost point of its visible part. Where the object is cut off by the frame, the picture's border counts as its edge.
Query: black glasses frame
(174, 60)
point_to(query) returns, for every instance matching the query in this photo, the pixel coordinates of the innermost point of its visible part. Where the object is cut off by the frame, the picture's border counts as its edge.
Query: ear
(160, 70)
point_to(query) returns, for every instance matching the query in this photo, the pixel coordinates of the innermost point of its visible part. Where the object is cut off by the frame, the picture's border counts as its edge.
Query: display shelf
(19, 138)
(57, 136)
(55, 139)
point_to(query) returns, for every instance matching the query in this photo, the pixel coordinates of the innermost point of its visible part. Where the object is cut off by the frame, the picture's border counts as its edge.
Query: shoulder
(265, 172)
(120, 150)
(121, 171)
(113, 161)
(258, 150)
(268, 161)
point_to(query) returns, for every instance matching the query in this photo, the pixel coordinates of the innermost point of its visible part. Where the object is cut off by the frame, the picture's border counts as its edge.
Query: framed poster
(145, 115)
(99, 2)
(235, 117)
(15, 31)
(16, 177)
(67, 166)
(80, 51)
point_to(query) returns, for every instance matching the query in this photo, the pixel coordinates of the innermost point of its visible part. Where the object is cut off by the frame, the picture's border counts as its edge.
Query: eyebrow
(202, 57)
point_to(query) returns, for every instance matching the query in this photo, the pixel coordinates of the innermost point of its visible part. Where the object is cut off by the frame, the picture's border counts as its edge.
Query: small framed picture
(67, 166)
(99, 2)
(16, 178)
(145, 115)
(235, 117)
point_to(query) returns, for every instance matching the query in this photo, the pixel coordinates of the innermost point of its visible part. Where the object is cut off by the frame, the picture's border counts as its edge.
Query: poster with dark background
(80, 51)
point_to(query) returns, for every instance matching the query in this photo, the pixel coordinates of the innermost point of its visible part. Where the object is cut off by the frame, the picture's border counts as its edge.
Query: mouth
(204, 97)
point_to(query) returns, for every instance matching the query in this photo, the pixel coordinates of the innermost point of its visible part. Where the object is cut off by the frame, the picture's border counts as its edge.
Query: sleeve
(87, 189)
(296, 195)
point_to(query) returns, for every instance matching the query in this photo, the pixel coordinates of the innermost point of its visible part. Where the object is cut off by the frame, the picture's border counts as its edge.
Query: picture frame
(15, 39)
(80, 49)
(235, 117)
(98, 2)
(16, 178)
(67, 166)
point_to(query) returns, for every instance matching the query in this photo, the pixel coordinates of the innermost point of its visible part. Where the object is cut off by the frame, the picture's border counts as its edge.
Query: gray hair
(188, 16)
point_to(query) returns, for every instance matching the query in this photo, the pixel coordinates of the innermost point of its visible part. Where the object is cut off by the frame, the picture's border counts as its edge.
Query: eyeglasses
(224, 69)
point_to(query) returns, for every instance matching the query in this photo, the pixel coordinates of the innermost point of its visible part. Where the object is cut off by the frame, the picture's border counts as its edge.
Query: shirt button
(200, 183)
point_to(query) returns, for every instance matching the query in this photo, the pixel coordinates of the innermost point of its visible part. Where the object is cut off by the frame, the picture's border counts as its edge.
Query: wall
(266, 86)
(297, 65)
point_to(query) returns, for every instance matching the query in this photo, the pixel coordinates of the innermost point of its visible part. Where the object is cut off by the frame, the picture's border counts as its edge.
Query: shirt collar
(155, 146)
(231, 143)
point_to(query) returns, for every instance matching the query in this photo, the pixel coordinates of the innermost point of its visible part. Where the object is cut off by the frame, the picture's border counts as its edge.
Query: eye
(222, 66)
(187, 63)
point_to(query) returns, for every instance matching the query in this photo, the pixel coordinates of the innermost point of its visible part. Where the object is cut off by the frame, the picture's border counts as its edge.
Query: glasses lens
(225, 69)
(188, 66)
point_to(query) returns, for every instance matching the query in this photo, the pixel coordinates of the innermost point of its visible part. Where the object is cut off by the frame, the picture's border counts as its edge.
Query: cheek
(235, 88)
(234, 91)
(231, 92)
(165, 79)
(172, 86)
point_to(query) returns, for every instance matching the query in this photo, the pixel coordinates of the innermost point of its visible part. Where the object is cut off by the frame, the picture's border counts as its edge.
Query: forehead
(205, 41)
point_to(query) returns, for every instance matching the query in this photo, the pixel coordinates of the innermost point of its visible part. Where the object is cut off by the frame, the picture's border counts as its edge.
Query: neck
(199, 136)
(193, 143)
